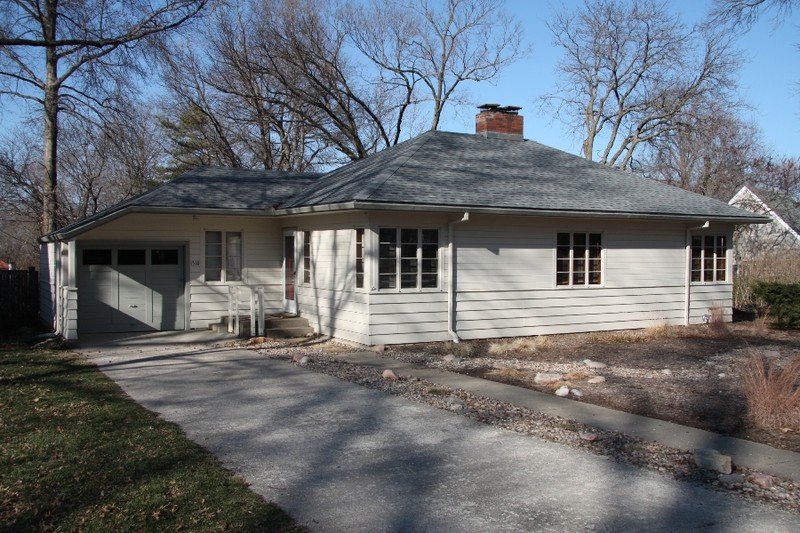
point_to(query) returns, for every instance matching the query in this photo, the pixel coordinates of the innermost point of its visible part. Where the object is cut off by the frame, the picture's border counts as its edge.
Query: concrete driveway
(338, 457)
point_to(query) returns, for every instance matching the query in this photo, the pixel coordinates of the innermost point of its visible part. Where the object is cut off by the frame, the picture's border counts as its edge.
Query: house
(444, 236)
(779, 238)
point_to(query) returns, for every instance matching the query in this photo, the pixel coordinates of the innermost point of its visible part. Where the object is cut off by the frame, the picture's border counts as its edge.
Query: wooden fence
(19, 298)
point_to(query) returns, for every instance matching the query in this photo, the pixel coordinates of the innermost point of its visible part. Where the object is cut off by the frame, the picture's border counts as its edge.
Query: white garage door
(130, 288)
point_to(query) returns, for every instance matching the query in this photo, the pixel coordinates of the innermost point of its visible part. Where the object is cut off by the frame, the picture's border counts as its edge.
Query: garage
(132, 288)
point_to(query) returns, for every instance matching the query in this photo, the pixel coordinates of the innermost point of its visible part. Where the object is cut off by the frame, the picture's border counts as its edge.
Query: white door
(289, 273)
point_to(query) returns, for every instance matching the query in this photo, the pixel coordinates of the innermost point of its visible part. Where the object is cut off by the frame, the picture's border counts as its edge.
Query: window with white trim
(408, 258)
(579, 259)
(223, 256)
(306, 257)
(709, 258)
(359, 258)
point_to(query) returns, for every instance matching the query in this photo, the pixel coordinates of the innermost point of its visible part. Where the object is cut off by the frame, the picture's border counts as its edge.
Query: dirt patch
(690, 376)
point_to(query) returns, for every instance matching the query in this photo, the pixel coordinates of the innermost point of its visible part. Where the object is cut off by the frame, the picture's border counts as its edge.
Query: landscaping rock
(454, 403)
(594, 364)
(389, 374)
(379, 348)
(667, 372)
(296, 357)
(764, 481)
(304, 361)
(576, 393)
(713, 460)
(586, 435)
(450, 358)
(562, 391)
(544, 378)
(597, 379)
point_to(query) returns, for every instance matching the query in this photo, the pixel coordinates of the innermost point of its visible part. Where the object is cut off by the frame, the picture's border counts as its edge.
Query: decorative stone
(576, 393)
(454, 403)
(586, 435)
(296, 357)
(304, 360)
(450, 358)
(721, 375)
(713, 460)
(389, 374)
(667, 372)
(594, 364)
(379, 348)
(257, 340)
(764, 481)
(597, 379)
(772, 354)
(562, 391)
(544, 378)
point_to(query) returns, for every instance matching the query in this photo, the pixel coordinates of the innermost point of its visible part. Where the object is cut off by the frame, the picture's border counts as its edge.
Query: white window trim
(302, 270)
(397, 289)
(571, 285)
(365, 269)
(728, 259)
(224, 280)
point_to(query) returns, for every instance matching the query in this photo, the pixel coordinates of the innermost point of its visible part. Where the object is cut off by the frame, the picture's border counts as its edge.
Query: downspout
(451, 278)
(688, 289)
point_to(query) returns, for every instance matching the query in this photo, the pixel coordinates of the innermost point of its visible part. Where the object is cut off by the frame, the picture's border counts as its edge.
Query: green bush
(782, 302)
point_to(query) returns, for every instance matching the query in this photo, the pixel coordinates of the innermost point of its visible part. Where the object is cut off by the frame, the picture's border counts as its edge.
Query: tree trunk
(50, 145)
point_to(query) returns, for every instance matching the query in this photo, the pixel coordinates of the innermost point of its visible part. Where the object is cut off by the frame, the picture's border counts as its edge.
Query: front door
(289, 272)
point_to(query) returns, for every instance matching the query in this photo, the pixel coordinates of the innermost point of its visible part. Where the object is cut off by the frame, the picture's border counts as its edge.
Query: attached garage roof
(205, 189)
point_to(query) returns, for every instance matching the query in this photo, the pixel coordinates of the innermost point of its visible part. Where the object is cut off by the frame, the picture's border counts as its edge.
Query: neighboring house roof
(778, 206)
(436, 171)
(453, 170)
(3, 265)
(206, 189)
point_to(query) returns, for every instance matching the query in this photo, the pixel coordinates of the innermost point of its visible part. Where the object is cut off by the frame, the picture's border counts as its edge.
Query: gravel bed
(679, 464)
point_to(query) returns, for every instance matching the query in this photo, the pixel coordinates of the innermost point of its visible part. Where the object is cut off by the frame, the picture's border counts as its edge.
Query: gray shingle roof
(472, 171)
(210, 188)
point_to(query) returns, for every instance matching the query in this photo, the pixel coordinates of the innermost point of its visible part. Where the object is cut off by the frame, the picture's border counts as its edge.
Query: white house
(778, 238)
(445, 236)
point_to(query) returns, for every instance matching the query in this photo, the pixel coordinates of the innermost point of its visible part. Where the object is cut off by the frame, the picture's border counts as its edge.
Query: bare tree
(709, 150)
(59, 56)
(630, 70)
(426, 50)
(746, 12)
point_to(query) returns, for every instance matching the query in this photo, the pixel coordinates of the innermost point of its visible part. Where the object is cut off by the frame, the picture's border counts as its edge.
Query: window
(306, 257)
(131, 257)
(97, 257)
(709, 258)
(164, 257)
(223, 256)
(579, 259)
(409, 255)
(359, 258)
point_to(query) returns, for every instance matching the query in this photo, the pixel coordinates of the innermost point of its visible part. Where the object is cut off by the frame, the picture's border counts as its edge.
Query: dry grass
(658, 331)
(770, 268)
(717, 324)
(509, 373)
(577, 375)
(520, 345)
(772, 391)
(459, 349)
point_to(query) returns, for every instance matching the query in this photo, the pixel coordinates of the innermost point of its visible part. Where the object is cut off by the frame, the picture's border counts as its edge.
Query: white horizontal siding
(506, 278)
(705, 297)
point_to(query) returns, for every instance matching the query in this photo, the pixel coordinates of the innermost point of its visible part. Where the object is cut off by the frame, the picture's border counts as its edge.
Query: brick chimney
(500, 122)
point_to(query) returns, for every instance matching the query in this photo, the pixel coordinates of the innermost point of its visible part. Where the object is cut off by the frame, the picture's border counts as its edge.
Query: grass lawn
(76, 454)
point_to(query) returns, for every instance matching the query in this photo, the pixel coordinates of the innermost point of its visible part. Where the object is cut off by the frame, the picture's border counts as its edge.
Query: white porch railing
(68, 314)
(247, 300)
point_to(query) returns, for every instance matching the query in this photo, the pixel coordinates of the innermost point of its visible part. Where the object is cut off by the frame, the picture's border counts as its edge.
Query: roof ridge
(392, 169)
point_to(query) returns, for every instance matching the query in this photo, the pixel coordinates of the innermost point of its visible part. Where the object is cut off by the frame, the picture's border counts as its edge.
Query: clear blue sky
(769, 80)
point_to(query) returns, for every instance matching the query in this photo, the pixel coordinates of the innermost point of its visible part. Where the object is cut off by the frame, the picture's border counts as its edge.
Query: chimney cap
(497, 107)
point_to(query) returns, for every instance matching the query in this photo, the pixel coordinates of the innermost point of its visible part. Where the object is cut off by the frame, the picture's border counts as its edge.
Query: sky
(769, 80)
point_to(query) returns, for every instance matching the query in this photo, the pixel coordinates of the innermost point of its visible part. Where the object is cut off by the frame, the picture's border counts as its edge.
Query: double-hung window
(579, 259)
(359, 258)
(709, 258)
(223, 256)
(408, 258)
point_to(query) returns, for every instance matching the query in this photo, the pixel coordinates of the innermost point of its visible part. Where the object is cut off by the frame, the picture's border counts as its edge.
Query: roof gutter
(379, 206)
(451, 278)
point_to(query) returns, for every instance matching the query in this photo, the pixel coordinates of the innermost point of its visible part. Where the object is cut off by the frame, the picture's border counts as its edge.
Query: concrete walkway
(339, 457)
(744, 453)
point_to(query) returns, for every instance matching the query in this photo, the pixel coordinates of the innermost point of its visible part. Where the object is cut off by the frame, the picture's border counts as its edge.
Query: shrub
(769, 269)
(782, 301)
(772, 391)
